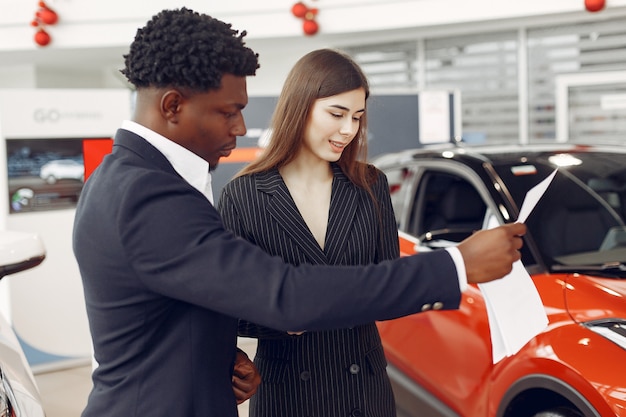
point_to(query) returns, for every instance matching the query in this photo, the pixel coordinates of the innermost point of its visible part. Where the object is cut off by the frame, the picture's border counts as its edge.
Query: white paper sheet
(514, 307)
(533, 196)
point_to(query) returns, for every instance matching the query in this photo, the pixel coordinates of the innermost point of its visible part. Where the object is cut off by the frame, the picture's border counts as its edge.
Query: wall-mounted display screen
(48, 174)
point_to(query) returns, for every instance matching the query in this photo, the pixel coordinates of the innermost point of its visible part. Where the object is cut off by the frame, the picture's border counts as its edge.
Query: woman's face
(333, 123)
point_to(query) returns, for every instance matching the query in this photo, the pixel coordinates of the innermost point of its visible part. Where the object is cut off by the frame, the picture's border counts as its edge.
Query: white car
(19, 395)
(61, 169)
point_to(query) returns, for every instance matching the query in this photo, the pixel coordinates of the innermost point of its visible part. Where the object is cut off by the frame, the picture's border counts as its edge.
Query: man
(164, 282)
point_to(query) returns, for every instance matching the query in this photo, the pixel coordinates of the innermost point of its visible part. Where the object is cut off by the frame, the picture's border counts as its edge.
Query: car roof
(495, 154)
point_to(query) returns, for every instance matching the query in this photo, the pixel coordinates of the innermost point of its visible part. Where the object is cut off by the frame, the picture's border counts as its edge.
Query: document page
(514, 308)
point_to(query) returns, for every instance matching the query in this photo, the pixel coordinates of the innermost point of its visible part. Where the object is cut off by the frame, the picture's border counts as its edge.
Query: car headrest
(461, 202)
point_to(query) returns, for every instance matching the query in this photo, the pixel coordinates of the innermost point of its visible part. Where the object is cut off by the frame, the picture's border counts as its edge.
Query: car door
(446, 352)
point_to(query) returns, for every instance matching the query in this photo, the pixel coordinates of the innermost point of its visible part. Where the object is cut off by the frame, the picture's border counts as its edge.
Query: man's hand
(490, 254)
(246, 378)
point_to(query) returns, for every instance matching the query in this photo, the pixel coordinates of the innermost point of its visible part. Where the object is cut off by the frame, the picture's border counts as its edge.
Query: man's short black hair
(185, 49)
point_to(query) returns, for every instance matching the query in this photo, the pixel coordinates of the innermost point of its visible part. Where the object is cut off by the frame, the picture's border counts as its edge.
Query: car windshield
(579, 224)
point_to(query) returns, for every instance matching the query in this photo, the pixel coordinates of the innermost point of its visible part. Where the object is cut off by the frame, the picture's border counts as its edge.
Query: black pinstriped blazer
(328, 373)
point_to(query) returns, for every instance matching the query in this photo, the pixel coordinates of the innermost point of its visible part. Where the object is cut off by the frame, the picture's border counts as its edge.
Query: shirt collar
(190, 166)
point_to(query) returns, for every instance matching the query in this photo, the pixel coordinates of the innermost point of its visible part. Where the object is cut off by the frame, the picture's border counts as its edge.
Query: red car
(575, 251)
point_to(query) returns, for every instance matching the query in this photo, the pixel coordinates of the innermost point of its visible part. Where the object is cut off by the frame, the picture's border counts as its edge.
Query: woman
(311, 198)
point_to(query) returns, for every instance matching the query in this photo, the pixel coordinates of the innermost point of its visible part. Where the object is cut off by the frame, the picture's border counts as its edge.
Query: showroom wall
(90, 37)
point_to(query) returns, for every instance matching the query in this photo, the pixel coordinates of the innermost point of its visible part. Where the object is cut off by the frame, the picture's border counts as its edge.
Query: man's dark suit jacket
(163, 280)
(302, 374)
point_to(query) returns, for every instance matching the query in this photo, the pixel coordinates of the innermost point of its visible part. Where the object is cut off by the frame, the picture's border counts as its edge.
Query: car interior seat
(612, 191)
(573, 220)
(460, 208)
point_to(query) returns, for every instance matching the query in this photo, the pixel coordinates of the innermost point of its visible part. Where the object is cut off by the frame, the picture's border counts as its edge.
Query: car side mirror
(19, 251)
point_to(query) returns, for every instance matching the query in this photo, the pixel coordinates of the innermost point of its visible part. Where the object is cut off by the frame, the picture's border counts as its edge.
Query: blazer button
(438, 305)
(305, 375)
(426, 307)
(356, 413)
(355, 369)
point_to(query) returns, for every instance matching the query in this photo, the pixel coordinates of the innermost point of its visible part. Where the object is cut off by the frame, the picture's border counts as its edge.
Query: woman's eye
(337, 115)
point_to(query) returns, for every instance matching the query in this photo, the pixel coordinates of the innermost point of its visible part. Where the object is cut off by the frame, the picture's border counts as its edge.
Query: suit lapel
(343, 207)
(283, 210)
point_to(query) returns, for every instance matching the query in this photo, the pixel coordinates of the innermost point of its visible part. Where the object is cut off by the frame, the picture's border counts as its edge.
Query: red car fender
(557, 360)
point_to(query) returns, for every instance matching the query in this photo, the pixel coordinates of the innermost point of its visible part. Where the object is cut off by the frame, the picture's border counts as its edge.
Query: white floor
(64, 393)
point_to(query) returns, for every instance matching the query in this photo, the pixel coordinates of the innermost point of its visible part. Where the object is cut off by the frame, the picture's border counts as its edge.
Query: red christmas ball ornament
(43, 16)
(299, 9)
(310, 27)
(594, 5)
(48, 16)
(42, 38)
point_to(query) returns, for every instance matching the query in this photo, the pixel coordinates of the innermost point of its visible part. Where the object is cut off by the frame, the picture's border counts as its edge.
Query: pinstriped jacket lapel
(282, 208)
(344, 204)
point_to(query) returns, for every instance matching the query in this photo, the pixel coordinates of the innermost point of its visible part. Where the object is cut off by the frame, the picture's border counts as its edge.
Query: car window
(580, 219)
(571, 219)
(447, 207)
(400, 182)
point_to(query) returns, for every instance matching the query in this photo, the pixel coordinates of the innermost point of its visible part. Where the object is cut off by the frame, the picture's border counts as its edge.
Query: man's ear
(171, 102)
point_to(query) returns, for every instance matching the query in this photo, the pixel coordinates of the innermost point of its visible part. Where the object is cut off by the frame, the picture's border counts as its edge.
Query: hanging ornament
(310, 27)
(47, 16)
(42, 38)
(43, 16)
(302, 11)
(594, 5)
(299, 9)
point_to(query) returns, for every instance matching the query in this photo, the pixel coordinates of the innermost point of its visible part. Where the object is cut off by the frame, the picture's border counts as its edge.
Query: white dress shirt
(455, 253)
